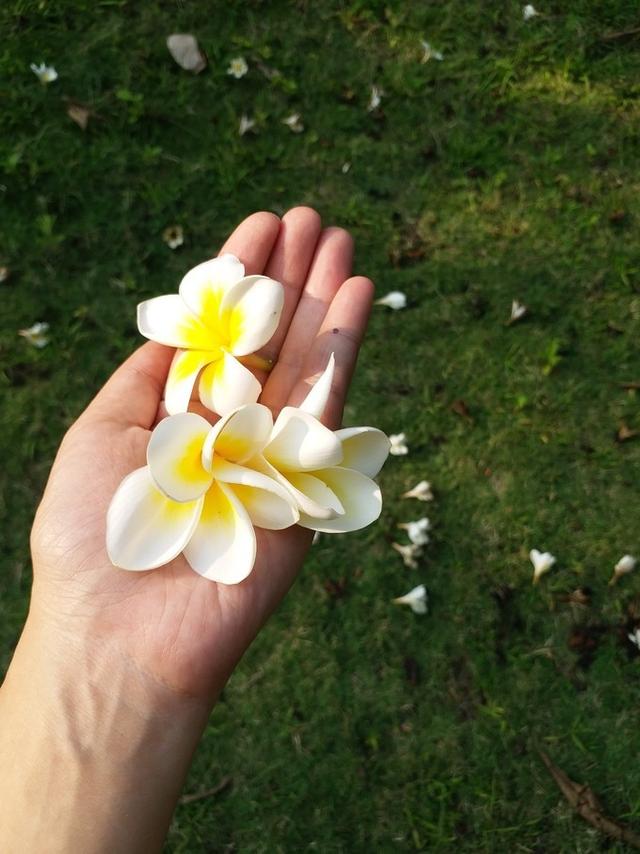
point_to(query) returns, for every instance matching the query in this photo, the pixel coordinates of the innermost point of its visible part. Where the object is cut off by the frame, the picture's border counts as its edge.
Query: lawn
(507, 170)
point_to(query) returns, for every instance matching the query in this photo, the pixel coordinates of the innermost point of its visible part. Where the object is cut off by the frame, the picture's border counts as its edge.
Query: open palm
(186, 632)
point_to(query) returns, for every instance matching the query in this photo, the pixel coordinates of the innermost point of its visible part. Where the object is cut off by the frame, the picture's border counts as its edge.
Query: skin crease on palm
(181, 631)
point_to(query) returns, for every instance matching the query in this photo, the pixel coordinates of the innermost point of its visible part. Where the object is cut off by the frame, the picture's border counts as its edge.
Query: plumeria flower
(399, 445)
(36, 335)
(430, 53)
(417, 531)
(197, 495)
(416, 599)
(409, 554)
(634, 637)
(346, 166)
(218, 315)
(625, 565)
(518, 310)
(294, 123)
(394, 300)
(238, 67)
(375, 98)
(173, 236)
(329, 474)
(44, 73)
(542, 562)
(246, 124)
(529, 12)
(421, 491)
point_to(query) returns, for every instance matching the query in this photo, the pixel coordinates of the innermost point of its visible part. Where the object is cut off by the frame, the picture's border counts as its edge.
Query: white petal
(183, 373)
(312, 496)
(174, 456)
(238, 436)
(315, 402)
(167, 320)
(364, 449)
(299, 442)
(250, 313)
(268, 504)
(145, 529)
(359, 495)
(226, 384)
(394, 300)
(223, 546)
(204, 286)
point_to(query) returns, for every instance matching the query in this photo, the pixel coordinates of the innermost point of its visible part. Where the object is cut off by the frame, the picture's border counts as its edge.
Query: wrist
(92, 739)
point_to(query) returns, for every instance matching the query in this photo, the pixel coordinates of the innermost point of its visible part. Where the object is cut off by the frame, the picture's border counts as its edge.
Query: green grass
(509, 170)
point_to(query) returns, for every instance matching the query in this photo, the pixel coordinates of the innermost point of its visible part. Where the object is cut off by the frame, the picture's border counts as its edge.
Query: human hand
(182, 631)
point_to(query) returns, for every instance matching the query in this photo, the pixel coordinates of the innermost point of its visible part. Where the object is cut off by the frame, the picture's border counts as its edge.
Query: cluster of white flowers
(206, 488)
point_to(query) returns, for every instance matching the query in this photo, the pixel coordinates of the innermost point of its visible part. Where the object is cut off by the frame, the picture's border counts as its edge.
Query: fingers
(330, 267)
(132, 394)
(341, 333)
(289, 264)
(253, 241)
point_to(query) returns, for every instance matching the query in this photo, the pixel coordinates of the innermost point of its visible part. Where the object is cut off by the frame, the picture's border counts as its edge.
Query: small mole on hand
(335, 330)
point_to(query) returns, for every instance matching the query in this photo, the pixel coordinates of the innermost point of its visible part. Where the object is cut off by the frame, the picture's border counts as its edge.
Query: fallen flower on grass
(394, 300)
(634, 637)
(625, 565)
(375, 98)
(399, 445)
(416, 599)
(238, 67)
(542, 563)
(294, 123)
(78, 114)
(218, 316)
(430, 53)
(173, 236)
(246, 124)
(529, 12)
(518, 311)
(5, 272)
(186, 52)
(417, 531)
(345, 167)
(421, 491)
(409, 554)
(36, 335)
(44, 73)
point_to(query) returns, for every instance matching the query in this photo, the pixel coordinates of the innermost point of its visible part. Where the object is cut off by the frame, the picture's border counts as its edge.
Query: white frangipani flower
(246, 124)
(238, 67)
(44, 73)
(416, 599)
(375, 98)
(198, 495)
(328, 473)
(218, 315)
(346, 166)
(634, 637)
(518, 310)
(421, 491)
(529, 12)
(399, 445)
(430, 53)
(394, 300)
(417, 530)
(542, 562)
(294, 123)
(185, 50)
(409, 554)
(173, 236)
(625, 565)
(36, 335)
